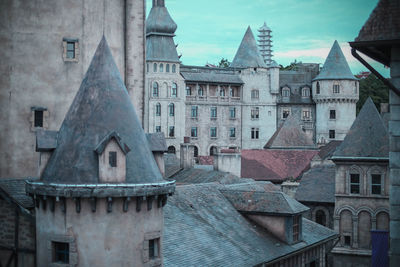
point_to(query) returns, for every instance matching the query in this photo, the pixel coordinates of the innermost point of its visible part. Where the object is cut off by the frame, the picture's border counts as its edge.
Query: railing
(213, 98)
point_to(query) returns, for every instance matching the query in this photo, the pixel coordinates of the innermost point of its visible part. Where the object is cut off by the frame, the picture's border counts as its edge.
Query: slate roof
(367, 137)
(290, 135)
(335, 66)
(317, 185)
(276, 165)
(210, 77)
(202, 228)
(160, 21)
(46, 140)
(172, 164)
(248, 56)
(196, 176)
(14, 188)
(327, 150)
(101, 105)
(157, 142)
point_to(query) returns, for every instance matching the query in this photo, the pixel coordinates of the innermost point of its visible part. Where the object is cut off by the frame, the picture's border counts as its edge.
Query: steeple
(335, 66)
(248, 55)
(264, 43)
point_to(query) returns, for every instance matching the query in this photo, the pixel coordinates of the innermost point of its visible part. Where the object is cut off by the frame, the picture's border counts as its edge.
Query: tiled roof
(15, 189)
(210, 77)
(317, 185)
(367, 136)
(196, 176)
(275, 165)
(202, 228)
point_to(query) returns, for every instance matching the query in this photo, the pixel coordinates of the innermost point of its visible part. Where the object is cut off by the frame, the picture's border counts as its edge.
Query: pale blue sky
(302, 29)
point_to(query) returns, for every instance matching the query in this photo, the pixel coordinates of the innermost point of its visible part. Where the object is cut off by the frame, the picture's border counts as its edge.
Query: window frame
(65, 253)
(194, 112)
(112, 159)
(255, 113)
(158, 109)
(193, 132)
(161, 67)
(332, 114)
(171, 131)
(200, 91)
(285, 111)
(351, 183)
(154, 67)
(173, 68)
(285, 92)
(167, 68)
(255, 133)
(332, 134)
(174, 90)
(188, 90)
(232, 112)
(304, 115)
(155, 89)
(305, 92)
(296, 230)
(213, 112)
(255, 94)
(213, 132)
(336, 88)
(374, 184)
(158, 128)
(232, 132)
(171, 109)
(318, 91)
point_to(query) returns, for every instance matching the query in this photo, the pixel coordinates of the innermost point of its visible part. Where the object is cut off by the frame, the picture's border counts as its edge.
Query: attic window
(112, 158)
(296, 228)
(305, 92)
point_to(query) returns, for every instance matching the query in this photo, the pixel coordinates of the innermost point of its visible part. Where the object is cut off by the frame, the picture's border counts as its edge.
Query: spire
(101, 106)
(335, 66)
(264, 43)
(248, 55)
(367, 136)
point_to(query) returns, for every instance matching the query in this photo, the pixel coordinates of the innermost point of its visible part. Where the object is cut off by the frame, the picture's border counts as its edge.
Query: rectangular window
(158, 109)
(214, 112)
(296, 228)
(213, 132)
(71, 50)
(376, 184)
(154, 248)
(285, 113)
(336, 89)
(194, 111)
(332, 134)
(347, 240)
(60, 252)
(188, 90)
(306, 114)
(332, 114)
(232, 113)
(254, 133)
(112, 158)
(232, 132)
(254, 94)
(171, 131)
(158, 129)
(38, 118)
(193, 132)
(355, 183)
(255, 113)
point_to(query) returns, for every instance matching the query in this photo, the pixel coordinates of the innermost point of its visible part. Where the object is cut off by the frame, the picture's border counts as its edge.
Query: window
(161, 67)
(171, 109)
(222, 92)
(200, 91)
(285, 113)
(173, 68)
(320, 217)
(232, 112)
(70, 49)
(158, 109)
(336, 88)
(305, 92)
(332, 134)
(213, 150)
(285, 92)
(232, 132)
(355, 87)
(112, 158)
(154, 248)
(254, 94)
(60, 252)
(147, 67)
(213, 132)
(296, 228)
(332, 114)
(38, 120)
(306, 114)
(158, 129)
(155, 67)
(255, 113)
(254, 133)
(231, 92)
(188, 90)
(376, 184)
(213, 112)
(196, 152)
(194, 111)
(354, 183)
(171, 150)
(171, 132)
(347, 240)
(174, 90)
(193, 132)
(155, 89)
(318, 88)
(167, 68)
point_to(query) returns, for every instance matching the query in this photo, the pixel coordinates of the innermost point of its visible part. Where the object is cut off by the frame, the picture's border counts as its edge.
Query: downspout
(374, 71)
(16, 232)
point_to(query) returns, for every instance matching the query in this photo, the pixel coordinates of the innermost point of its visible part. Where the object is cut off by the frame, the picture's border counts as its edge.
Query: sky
(302, 30)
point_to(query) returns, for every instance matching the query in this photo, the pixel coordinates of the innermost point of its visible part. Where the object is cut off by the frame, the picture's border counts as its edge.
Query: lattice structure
(265, 43)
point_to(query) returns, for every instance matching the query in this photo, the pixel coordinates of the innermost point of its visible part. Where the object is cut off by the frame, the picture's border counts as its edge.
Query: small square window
(112, 158)
(71, 51)
(332, 134)
(285, 113)
(60, 252)
(154, 248)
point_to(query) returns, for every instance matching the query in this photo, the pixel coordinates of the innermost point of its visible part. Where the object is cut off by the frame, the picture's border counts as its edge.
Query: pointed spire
(101, 106)
(367, 136)
(248, 55)
(159, 21)
(335, 66)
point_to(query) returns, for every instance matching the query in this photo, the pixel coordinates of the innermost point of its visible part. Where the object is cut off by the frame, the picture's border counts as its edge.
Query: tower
(165, 110)
(335, 92)
(99, 201)
(265, 43)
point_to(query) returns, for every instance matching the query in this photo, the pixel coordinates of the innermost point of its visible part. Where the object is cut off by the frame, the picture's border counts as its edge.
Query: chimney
(228, 160)
(187, 153)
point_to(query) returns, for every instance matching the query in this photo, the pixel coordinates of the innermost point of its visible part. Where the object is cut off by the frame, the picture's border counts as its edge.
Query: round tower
(335, 92)
(99, 201)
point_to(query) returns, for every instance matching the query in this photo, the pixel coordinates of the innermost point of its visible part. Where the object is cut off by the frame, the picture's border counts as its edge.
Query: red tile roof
(274, 164)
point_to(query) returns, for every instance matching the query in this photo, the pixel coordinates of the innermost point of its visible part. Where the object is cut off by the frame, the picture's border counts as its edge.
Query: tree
(223, 63)
(374, 88)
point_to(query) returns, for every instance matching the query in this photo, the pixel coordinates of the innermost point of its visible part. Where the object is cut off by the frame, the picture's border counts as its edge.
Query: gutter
(339, 158)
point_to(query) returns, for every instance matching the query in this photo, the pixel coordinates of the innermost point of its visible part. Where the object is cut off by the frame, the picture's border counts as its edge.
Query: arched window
(161, 67)
(174, 90)
(305, 92)
(171, 150)
(382, 221)
(213, 150)
(173, 68)
(155, 67)
(167, 68)
(196, 152)
(318, 88)
(320, 217)
(200, 91)
(171, 109)
(158, 109)
(336, 88)
(155, 89)
(285, 92)
(346, 228)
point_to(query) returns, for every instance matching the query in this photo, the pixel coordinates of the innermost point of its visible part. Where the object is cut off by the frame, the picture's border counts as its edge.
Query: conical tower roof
(367, 136)
(101, 107)
(335, 66)
(248, 55)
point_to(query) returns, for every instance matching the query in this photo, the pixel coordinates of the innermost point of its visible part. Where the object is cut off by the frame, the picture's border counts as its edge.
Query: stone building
(361, 187)
(100, 199)
(64, 35)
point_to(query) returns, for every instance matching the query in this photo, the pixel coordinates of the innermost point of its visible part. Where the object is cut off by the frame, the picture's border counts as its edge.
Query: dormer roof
(248, 56)
(112, 135)
(335, 66)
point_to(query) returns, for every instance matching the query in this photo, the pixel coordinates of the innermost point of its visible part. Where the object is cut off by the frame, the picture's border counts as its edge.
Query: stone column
(394, 160)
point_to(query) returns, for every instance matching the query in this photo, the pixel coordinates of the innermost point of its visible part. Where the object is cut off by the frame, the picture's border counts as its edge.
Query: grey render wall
(34, 74)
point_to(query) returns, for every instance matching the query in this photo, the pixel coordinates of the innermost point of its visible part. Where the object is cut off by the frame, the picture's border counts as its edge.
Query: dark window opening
(213, 132)
(347, 240)
(376, 186)
(38, 118)
(196, 152)
(255, 113)
(332, 114)
(171, 131)
(172, 109)
(355, 183)
(232, 132)
(318, 88)
(285, 114)
(193, 132)
(171, 150)
(213, 150)
(188, 90)
(158, 129)
(332, 134)
(158, 109)
(154, 248)
(112, 158)
(232, 112)
(70, 49)
(255, 133)
(320, 217)
(60, 252)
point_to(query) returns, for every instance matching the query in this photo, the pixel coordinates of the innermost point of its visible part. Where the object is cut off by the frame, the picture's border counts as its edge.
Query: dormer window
(305, 92)
(112, 158)
(285, 92)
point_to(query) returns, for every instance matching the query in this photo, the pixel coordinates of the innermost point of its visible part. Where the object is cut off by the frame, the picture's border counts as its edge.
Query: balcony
(214, 99)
